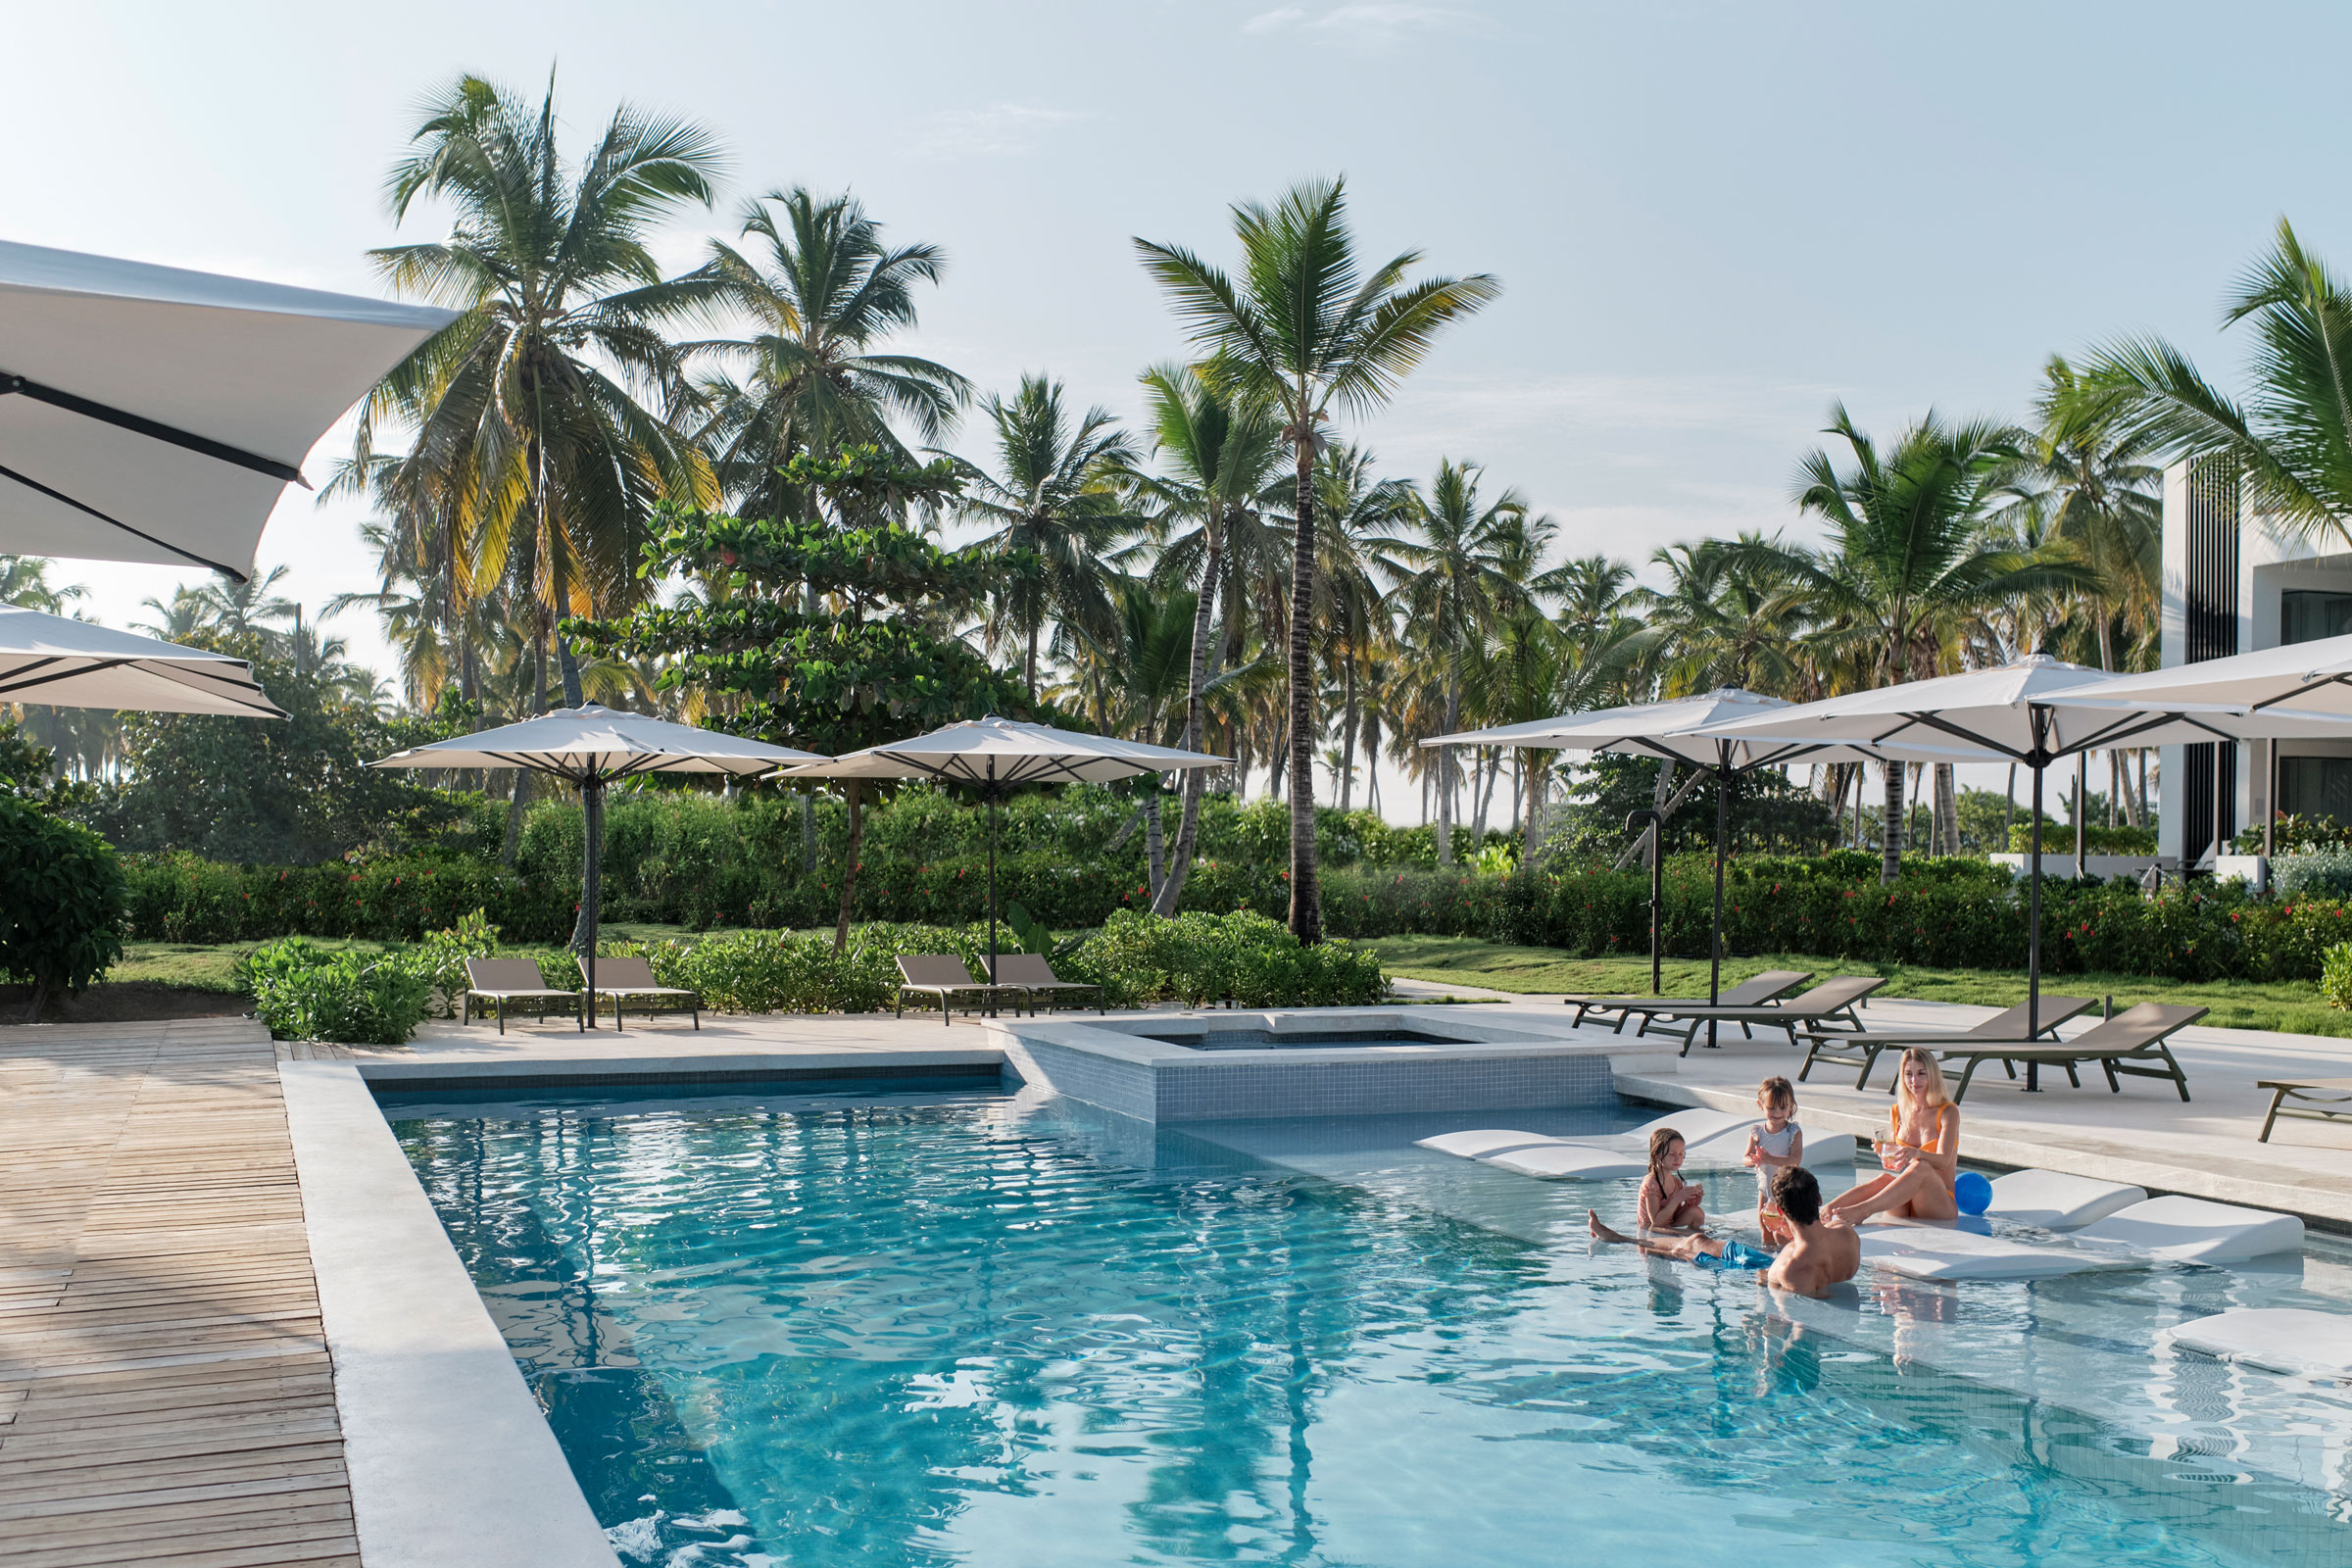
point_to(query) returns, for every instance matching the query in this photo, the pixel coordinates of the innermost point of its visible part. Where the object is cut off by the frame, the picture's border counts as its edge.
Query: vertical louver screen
(2209, 601)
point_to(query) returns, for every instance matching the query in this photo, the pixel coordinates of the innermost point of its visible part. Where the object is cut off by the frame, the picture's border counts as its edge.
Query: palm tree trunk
(523, 778)
(848, 869)
(1348, 726)
(1537, 777)
(807, 833)
(1153, 845)
(1029, 661)
(1168, 889)
(1306, 899)
(2008, 807)
(1948, 811)
(1890, 849)
(1445, 770)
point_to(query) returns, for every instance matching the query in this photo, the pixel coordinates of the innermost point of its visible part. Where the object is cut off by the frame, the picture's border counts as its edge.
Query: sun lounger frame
(2147, 1056)
(1841, 1046)
(648, 993)
(1650, 1008)
(1789, 1015)
(947, 990)
(2309, 1105)
(1052, 985)
(498, 996)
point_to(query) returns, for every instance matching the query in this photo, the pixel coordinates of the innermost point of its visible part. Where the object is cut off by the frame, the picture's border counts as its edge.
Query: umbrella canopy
(998, 754)
(2298, 679)
(151, 413)
(592, 747)
(58, 662)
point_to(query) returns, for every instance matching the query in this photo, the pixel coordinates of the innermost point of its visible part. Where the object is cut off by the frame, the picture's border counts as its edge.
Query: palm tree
(25, 582)
(1307, 330)
(1907, 560)
(1056, 508)
(1728, 616)
(1447, 579)
(1218, 458)
(1352, 508)
(533, 446)
(2292, 436)
(821, 289)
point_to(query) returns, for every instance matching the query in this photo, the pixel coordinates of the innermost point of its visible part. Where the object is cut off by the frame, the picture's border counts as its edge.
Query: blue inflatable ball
(1971, 1192)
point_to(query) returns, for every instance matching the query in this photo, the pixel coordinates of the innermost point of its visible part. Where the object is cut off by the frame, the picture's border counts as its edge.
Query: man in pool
(1816, 1257)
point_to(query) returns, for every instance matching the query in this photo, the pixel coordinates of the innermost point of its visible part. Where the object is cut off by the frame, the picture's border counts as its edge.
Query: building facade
(2234, 584)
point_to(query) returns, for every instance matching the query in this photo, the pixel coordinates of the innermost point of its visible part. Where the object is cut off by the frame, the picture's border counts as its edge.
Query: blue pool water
(994, 1330)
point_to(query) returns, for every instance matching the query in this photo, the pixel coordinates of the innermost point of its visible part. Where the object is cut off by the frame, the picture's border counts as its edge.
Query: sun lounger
(634, 978)
(2314, 1100)
(2119, 1044)
(2055, 1201)
(1033, 974)
(499, 981)
(943, 975)
(2192, 1230)
(1863, 1050)
(1828, 1001)
(1751, 992)
(2297, 1341)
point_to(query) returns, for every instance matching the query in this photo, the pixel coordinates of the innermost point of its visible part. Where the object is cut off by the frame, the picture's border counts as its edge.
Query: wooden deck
(165, 1395)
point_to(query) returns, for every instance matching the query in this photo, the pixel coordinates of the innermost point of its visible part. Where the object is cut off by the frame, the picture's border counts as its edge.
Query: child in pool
(1669, 1202)
(1777, 1146)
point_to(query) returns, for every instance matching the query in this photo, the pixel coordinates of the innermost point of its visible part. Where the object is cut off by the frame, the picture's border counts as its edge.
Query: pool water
(998, 1330)
(1269, 1040)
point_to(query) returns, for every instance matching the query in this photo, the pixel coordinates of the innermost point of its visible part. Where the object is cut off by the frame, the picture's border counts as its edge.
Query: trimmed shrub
(2335, 975)
(63, 899)
(303, 992)
(2320, 873)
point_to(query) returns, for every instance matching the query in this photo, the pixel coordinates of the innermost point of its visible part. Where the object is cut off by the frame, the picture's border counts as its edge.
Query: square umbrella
(2021, 713)
(593, 746)
(154, 414)
(58, 662)
(997, 755)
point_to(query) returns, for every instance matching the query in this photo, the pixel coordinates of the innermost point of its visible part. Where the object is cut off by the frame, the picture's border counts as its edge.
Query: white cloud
(1000, 130)
(1369, 24)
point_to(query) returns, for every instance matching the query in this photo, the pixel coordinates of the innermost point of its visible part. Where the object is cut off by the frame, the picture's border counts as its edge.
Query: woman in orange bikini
(1921, 1154)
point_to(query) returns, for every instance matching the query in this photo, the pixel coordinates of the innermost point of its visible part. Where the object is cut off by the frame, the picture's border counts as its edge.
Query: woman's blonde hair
(1935, 1100)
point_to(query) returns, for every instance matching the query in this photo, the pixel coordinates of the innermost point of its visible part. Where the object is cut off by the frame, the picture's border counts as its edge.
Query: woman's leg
(1916, 1193)
(1859, 1194)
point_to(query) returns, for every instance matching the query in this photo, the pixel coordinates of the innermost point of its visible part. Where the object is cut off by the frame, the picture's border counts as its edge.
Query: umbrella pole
(2033, 926)
(1723, 819)
(992, 879)
(592, 803)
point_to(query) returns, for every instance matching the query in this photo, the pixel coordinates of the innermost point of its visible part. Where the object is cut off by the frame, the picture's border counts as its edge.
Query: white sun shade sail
(56, 662)
(1006, 751)
(1684, 728)
(2298, 679)
(1997, 709)
(151, 413)
(600, 744)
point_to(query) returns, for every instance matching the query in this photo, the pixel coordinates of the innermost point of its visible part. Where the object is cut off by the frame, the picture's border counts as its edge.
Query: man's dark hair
(1795, 1194)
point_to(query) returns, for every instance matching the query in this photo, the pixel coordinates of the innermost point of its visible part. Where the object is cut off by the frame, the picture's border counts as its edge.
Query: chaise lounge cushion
(2056, 1201)
(2294, 1340)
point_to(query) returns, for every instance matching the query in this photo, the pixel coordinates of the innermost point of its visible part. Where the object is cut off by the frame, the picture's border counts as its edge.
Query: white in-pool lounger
(1942, 1253)
(1481, 1141)
(2293, 1340)
(2056, 1201)
(2182, 1230)
(1712, 1140)
(2191, 1230)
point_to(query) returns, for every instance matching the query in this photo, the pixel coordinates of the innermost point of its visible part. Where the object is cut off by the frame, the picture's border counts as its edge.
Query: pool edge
(450, 1460)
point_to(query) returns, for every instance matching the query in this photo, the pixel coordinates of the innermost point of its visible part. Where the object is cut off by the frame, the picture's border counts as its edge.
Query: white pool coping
(451, 1461)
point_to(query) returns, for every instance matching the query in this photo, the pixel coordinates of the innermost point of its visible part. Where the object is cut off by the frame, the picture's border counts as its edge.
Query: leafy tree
(814, 635)
(1307, 330)
(61, 917)
(25, 582)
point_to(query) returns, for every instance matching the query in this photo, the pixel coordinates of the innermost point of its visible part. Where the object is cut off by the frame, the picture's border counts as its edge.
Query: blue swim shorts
(1736, 1255)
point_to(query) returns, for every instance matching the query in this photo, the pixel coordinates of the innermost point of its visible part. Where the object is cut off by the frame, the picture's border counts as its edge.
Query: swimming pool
(990, 1329)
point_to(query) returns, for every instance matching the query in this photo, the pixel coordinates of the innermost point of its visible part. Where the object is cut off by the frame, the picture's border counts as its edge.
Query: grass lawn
(2292, 1006)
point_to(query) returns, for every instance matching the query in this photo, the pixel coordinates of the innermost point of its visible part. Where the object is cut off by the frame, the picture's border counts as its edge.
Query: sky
(1711, 222)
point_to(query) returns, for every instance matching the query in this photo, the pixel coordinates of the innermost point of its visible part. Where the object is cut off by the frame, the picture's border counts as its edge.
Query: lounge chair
(2315, 1099)
(634, 977)
(943, 975)
(496, 982)
(1034, 974)
(1832, 999)
(2119, 1045)
(1862, 1050)
(1753, 992)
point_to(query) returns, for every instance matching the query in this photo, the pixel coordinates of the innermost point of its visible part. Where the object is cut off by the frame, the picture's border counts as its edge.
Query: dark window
(2306, 616)
(2315, 786)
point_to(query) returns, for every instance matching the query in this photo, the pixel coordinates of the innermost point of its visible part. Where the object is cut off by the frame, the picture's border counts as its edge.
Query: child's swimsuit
(1736, 1255)
(1778, 1145)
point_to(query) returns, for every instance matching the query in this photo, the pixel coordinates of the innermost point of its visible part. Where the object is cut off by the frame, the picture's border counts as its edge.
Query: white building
(2232, 585)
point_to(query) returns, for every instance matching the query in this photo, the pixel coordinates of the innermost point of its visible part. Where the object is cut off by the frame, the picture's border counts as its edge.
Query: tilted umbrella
(1676, 729)
(593, 746)
(153, 414)
(57, 662)
(997, 755)
(2018, 712)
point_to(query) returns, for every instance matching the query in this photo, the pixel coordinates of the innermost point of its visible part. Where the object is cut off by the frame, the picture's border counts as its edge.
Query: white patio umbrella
(152, 413)
(57, 662)
(2012, 712)
(998, 754)
(593, 746)
(1680, 729)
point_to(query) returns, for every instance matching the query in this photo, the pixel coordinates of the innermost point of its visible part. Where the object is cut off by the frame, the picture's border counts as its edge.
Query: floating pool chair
(1712, 1140)
(2314, 1100)
(1033, 973)
(1862, 1050)
(2298, 1340)
(943, 975)
(1829, 1001)
(2132, 1043)
(495, 982)
(634, 978)
(1753, 992)
(2155, 1229)
(2053, 1201)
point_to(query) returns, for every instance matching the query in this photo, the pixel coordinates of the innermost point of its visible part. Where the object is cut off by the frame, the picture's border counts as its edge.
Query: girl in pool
(1778, 1145)
(1669, 1202)
(1921, 1152)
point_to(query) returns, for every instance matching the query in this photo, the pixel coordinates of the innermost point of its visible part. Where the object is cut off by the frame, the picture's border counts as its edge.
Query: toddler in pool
(1777, 1146)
